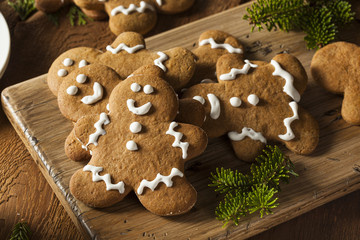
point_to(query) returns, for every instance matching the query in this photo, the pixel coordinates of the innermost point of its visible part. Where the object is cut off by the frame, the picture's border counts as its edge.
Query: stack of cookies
(135, 132)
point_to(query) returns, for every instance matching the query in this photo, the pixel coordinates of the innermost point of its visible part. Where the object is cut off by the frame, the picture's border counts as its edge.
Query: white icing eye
(135, 87)
(235, 101)
(83, 63)
(200, 99)
(148, 89)
(135, 127)
(68, 62)
(253, 99)
(72, 90)
(81, 78)
(62, 73)
(131, 145)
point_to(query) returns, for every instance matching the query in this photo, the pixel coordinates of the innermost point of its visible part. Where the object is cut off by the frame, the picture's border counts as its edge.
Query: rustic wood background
(25, 194)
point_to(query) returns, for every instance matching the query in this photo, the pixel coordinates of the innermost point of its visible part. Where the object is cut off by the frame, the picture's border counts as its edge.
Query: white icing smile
(226, 46)
(142, 110)
(159, 61)
(246, 132)
(235, 71)
(132, 8)
(123, 46)
(97, 96)
(289, 135)
(159, 178)
(177, 143)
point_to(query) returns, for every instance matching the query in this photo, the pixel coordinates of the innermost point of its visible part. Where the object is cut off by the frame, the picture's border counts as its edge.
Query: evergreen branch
(21, 231)
(54, 18)
(24, 8)
(246, 194)
(76, 13)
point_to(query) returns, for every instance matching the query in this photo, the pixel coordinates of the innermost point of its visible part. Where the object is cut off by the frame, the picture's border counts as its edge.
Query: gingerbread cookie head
(138, 146)
(336, 68)
(173, 6)
(256, 102)
(212, 45)
(86, 91)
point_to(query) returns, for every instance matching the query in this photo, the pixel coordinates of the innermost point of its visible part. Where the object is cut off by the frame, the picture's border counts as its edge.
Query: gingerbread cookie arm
(74, 149)
(350, 110)
(247, 149)
(168, 201)
(191, 112)
(96, 189)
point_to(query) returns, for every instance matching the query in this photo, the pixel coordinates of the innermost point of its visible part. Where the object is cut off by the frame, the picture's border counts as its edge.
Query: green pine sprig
(24, 8)
(249, 193)
(319, 19)
(74, 14)
(21, 231)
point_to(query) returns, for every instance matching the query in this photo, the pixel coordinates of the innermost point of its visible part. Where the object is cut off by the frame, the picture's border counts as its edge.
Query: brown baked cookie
(336, 67)
(125, 55)
(138, 146)
(173, 6)
(212, 45)
(256, 102)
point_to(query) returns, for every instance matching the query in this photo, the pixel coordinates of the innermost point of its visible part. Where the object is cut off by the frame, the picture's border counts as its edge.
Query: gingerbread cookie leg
(167, 201)
(74, 149)
(246, 148)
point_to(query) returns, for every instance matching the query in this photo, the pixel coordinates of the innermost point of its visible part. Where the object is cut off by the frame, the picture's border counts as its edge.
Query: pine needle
(74, 14)
(24, 8)
(21, 231)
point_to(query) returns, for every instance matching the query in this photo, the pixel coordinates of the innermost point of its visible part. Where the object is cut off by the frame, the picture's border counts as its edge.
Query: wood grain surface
(24, 193)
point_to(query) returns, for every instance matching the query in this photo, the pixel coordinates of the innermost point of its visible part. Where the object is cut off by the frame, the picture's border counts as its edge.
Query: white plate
(4, 45)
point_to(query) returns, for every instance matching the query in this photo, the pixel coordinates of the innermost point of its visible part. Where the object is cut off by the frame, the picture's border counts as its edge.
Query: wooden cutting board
(332, 171)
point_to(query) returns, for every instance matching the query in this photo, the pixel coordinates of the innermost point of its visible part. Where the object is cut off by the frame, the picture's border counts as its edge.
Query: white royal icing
(97, 95)
(81, 78)
(148, 89)
(253, 99)
(135, 127)
(246, 132)
(159, 61)
(83, 63)
(200, 99)
(135, 87)
(159, 2)
(235, 71)
(289, 135)
(159, 178)
(289, 88)
(206, 80)
(93, 138)
(177, 143)
(68, 62)
(120, 186)
(142, 110)
(72, 90)
(235, 102)
(62, 73)
(132, 8)
(226, 46)
(123, 46)
(108, 107)
(215, 106)
(131, 145)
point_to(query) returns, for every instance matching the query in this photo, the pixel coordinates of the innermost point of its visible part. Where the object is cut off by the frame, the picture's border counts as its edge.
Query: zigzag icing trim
(123, 46)
(120, 186)
(235, 71)
(159, 178)
(226, 46)
(159, 61)
(132, 8)
(93, 138)
(289, 135)
(177, 143)
(247, 132)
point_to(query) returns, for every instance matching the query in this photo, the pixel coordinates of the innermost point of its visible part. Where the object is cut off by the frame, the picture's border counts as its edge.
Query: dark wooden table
(24, 193)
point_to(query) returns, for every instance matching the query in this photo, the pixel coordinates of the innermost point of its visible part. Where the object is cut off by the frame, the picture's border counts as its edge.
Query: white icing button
(62, 73)
(235, 101)
(83, 63)
(72, 90)
(131, 145)
(135, 87)
(200, 99)
(135, 127)
(81, 78)
(253, 99)
(148, 89)
(68, 62)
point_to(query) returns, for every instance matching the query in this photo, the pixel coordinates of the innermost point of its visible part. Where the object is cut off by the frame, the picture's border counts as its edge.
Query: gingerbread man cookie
(256, 102)
(125, 55)
(336, 67)
(138, 147)
(212, 45)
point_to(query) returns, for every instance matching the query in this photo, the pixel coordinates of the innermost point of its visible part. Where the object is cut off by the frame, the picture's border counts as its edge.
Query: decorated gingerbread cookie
(336, 67)
(138, 147)
(125, 55)
(212, 45)
(257, 102)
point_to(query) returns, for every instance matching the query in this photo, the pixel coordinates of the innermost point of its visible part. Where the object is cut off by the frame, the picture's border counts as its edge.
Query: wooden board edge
(21, 130)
